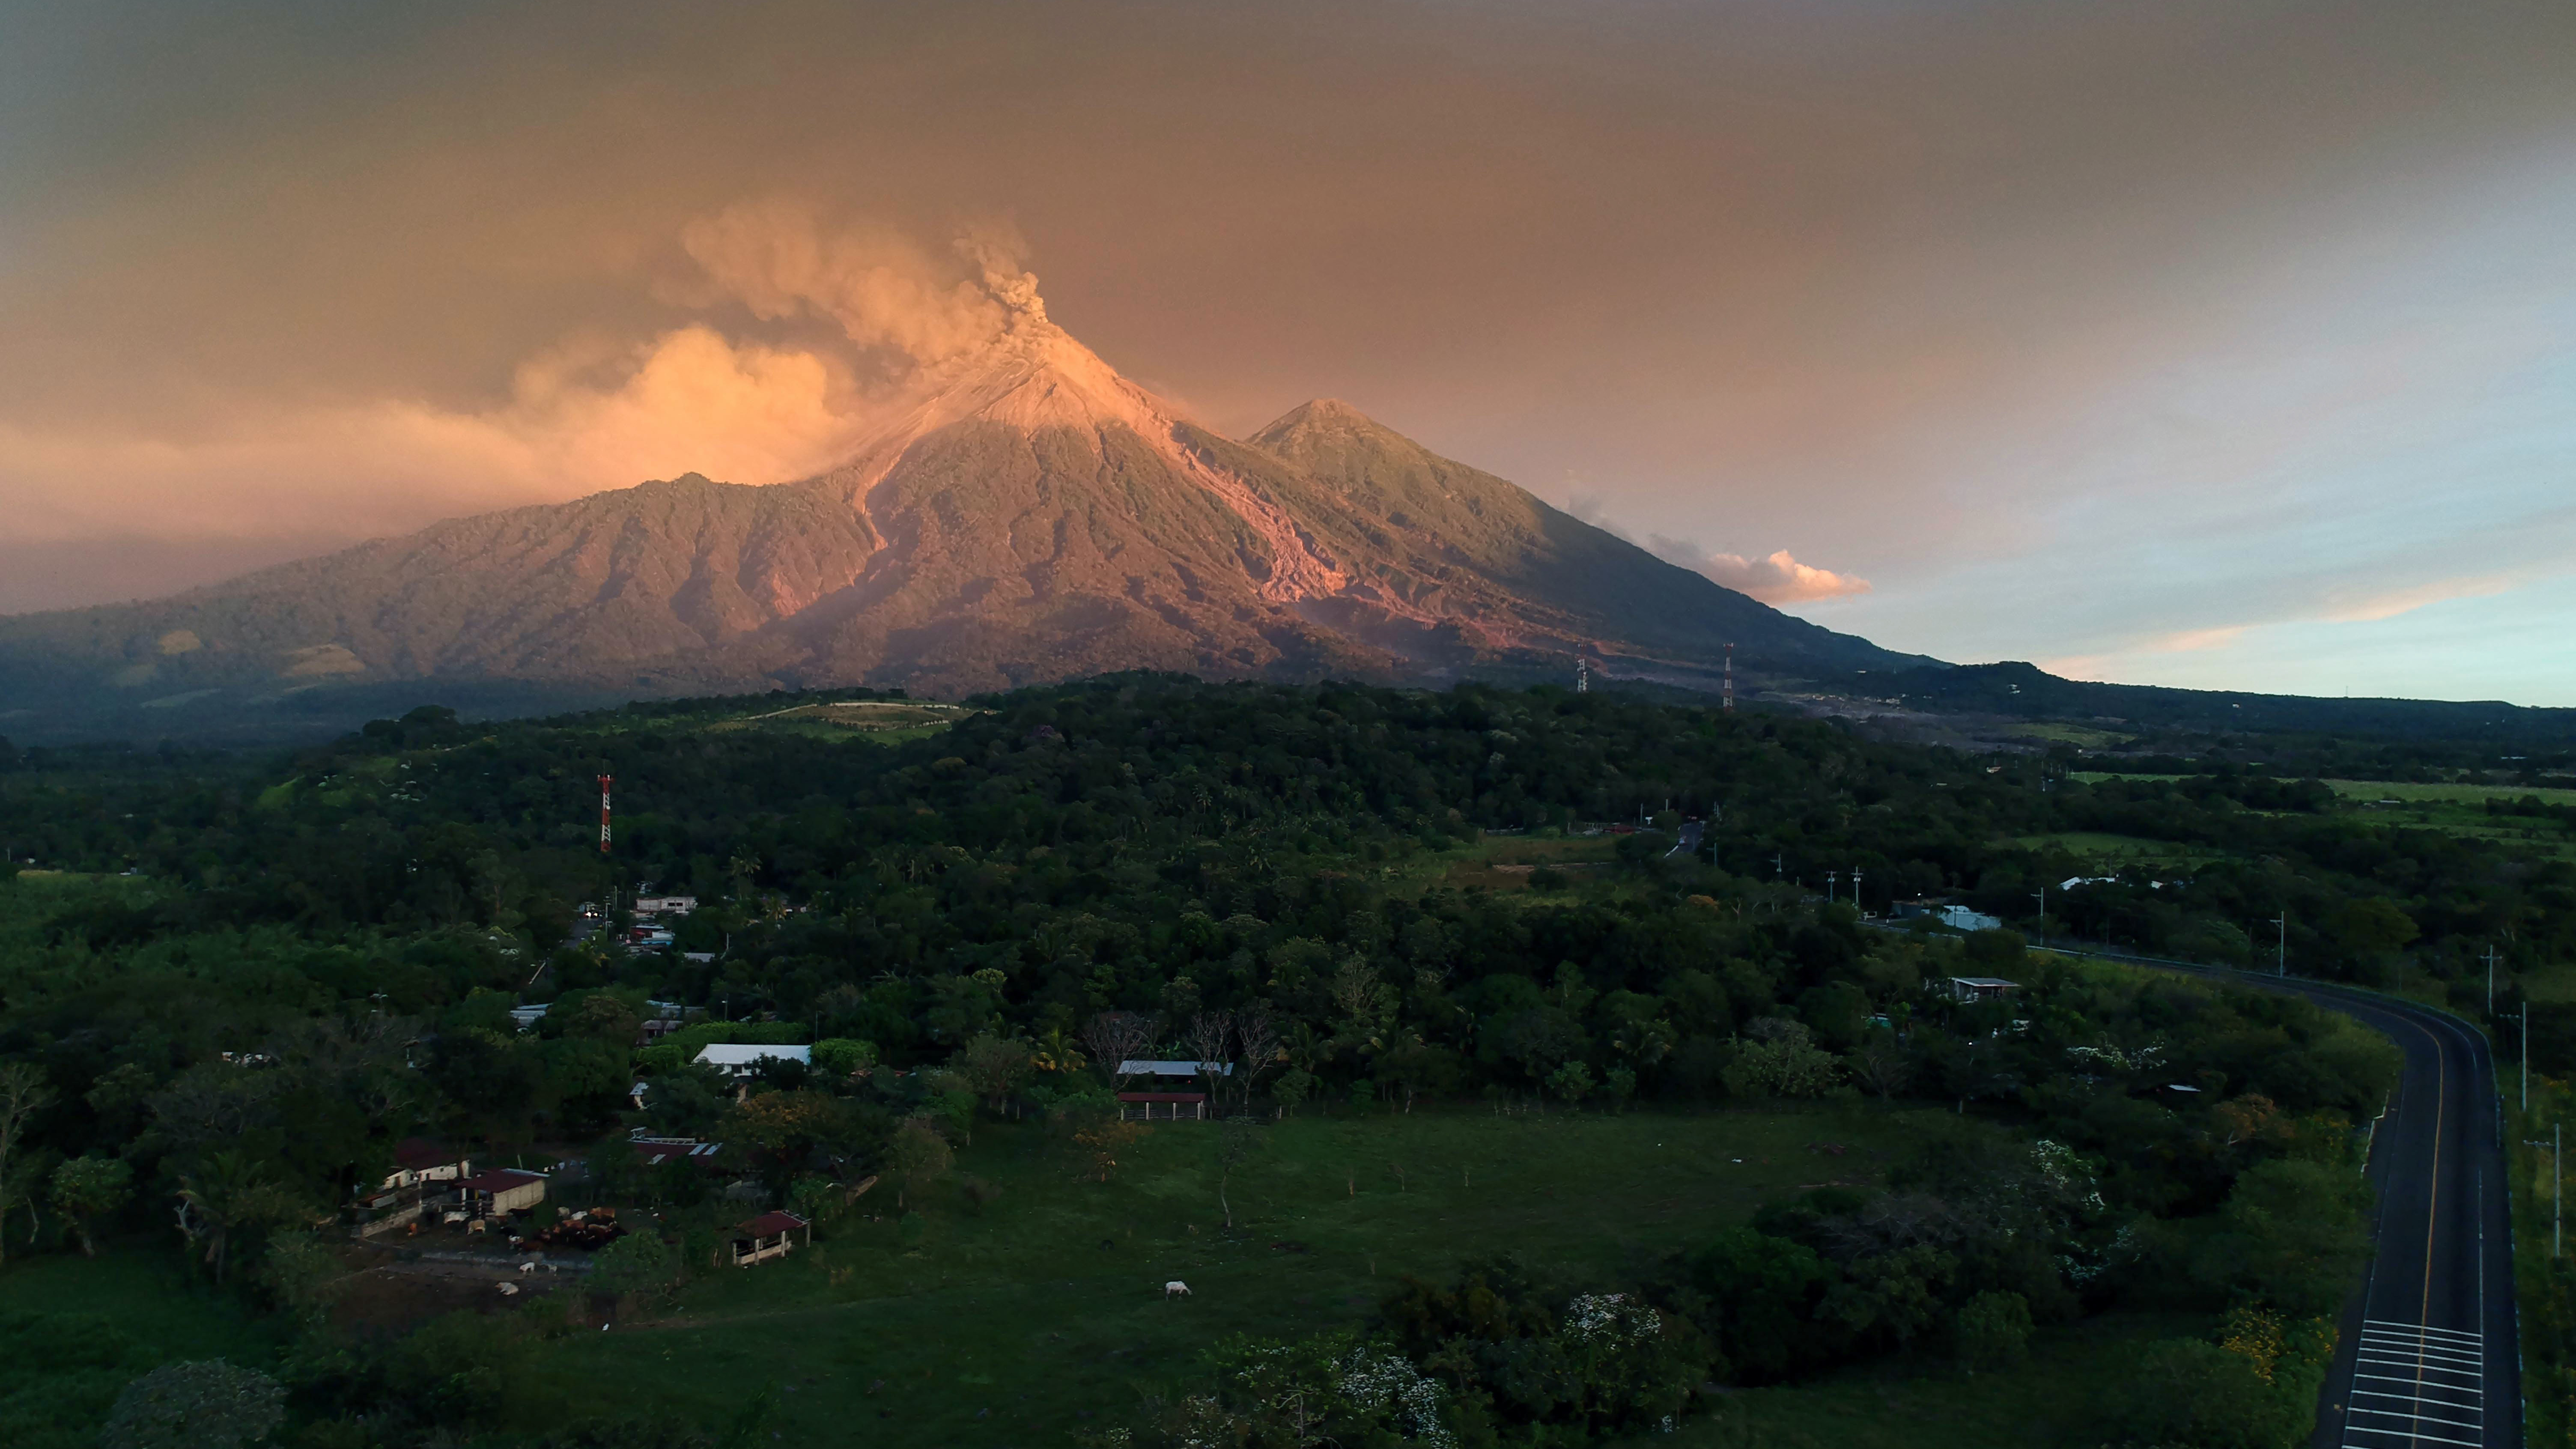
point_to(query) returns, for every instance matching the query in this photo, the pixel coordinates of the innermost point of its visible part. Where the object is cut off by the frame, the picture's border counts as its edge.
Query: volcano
(1023, 514)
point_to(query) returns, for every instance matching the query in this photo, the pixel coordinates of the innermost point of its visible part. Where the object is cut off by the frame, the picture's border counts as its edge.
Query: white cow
(1176, 1289)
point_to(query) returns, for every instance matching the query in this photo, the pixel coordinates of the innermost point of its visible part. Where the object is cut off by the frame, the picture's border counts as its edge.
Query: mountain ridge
(1023, 513)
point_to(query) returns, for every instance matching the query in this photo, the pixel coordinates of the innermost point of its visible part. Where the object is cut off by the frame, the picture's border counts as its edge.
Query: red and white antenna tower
(603, 812)
(1726, 698)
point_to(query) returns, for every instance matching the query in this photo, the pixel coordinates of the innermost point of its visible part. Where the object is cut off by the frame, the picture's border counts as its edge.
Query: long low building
(501, 1190)
(741, 1059)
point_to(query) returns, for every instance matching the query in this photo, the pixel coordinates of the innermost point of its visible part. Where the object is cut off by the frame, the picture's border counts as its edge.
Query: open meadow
(1042, 1309)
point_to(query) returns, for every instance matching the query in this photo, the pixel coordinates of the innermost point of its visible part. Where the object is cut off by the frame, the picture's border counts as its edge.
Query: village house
(742, 1059)
(1956, 917)
(418, 1160)
(665, 905)
(399, 1199)
(1981, 988)
(651, 1152)
(767, 1236)
(499, 1190)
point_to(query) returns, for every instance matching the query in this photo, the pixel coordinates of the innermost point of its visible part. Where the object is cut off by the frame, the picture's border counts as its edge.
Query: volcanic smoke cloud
(586, 414)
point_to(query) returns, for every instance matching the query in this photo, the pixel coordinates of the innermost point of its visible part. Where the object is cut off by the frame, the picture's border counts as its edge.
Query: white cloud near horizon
(1775, 578)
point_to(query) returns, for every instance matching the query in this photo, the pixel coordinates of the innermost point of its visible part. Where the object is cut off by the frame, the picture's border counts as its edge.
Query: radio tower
(1726, 699)
(1582, 675)
(603, 812)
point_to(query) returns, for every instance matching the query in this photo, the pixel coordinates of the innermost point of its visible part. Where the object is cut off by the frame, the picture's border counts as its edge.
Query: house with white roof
(741, 1059)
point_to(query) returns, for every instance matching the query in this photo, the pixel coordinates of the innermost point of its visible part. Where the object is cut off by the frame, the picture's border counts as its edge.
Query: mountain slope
(1024, 514)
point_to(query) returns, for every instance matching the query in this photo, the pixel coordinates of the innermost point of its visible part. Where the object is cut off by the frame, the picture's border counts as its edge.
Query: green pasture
(148, 1295)
(1043, 1310)
(2478, 795)
(2460, 810)
(2083, 737)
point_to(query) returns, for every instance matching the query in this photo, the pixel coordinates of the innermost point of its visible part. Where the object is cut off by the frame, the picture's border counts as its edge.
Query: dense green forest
(230, 985)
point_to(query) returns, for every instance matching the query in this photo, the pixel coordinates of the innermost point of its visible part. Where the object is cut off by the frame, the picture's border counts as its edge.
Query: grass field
(882, 721)
(2098, 848)
(1043, 1310)
(2059, 1398)
(2459, 794)
(145, 1292)
(1505, 862)
(2461, 810)
(2080, 736)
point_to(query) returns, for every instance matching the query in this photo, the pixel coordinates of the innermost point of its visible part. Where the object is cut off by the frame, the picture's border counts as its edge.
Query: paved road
(2430, 1354)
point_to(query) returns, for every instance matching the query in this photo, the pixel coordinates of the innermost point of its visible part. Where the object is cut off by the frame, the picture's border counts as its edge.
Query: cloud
(2388, 604)
(1776, 579)
(880, 287)
(2192, 641)
(579, 418)
(589, 412)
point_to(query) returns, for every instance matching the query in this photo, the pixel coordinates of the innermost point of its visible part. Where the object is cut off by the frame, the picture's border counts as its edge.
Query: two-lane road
(2430, 1355)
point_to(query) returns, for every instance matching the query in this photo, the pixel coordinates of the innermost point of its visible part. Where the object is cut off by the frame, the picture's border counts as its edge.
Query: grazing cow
(1176, 1289)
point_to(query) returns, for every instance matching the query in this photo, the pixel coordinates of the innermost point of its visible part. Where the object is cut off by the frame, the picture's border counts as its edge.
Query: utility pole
(2490, 960)
(1856, 905)
(1582, 675)
(2557, 1188)
(2526, 1054)
(2043, 912)
(1777, 869)
(2281, 960)
(1830, 877)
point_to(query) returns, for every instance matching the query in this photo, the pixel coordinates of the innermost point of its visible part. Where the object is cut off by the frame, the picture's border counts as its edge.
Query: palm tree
(228, 1194)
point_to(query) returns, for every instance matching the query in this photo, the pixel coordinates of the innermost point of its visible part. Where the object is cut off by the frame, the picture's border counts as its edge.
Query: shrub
(1993, 1331)
(2193, 1395)
(1785, 1066)
(208, 1405)
(635, 1263)
(840, 1056)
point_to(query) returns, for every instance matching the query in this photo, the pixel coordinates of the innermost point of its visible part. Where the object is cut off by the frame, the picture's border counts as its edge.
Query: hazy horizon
(2212, 346)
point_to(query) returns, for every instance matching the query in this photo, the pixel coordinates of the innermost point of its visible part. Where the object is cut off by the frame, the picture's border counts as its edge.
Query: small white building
(1982, 988)
(741, 1059)
(418, 1160)
(665, 905)
(1956, 917)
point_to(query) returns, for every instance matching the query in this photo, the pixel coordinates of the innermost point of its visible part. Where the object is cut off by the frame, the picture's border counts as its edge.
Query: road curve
(2430, 1352)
